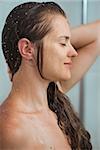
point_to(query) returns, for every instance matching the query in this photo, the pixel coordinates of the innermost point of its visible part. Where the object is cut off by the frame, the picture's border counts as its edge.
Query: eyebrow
(65, 37)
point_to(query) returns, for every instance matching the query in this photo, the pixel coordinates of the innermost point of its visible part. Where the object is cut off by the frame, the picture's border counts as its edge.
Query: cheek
(50, 65)
(53, 58)
(53, 63)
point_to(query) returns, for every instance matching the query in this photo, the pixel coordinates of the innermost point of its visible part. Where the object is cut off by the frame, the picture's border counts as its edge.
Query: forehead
(60, 27)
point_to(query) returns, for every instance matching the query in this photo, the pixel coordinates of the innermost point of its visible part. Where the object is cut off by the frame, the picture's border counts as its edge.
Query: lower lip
(68, 65)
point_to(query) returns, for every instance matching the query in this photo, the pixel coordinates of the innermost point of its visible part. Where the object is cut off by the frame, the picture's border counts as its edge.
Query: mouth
(69, 64)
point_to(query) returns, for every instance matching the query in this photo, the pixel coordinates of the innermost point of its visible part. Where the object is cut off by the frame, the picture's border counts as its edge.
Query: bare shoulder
(12, 135)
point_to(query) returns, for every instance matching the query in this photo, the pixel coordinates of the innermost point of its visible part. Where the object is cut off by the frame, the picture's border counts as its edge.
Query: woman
(43, 65)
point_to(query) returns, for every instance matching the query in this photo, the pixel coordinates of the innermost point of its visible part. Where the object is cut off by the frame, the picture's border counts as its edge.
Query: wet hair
(32, 20)
(29, 20)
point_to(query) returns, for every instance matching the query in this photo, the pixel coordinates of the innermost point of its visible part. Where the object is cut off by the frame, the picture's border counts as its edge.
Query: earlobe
(9, 73)
(26, 48)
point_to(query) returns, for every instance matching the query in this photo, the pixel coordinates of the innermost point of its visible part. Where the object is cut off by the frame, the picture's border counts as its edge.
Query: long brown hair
(30, 20)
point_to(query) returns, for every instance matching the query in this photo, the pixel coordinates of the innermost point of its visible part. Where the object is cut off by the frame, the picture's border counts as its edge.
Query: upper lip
(69, 62)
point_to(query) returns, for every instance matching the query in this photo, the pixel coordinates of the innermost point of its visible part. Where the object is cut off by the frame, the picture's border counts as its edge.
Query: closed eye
(63, 44)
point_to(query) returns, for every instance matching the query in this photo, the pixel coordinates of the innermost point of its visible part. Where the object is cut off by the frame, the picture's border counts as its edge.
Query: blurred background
(85, 95)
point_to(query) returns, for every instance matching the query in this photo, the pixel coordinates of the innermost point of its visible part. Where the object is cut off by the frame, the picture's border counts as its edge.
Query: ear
(26, 48)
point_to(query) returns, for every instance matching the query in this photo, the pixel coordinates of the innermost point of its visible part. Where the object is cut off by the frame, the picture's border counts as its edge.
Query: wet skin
(37, 130)
(23, 125)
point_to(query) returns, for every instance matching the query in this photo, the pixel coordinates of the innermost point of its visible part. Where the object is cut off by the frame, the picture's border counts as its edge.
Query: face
(58, 51)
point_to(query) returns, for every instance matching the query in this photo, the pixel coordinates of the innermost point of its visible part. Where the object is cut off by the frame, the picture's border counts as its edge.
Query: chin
(63, 78)
(66, 77)
(60, 77)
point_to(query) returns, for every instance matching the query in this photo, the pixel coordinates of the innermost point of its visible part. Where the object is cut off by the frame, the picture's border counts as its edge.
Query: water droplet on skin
(51, 147)
(41, 142)
(17, 89)
(5, 117)
(3, 110)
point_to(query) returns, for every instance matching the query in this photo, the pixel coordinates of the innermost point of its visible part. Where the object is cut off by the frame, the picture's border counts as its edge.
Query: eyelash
(63, 44)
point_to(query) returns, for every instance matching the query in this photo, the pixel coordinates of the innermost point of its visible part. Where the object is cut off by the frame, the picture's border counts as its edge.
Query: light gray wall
(73, 9)
(92, 86)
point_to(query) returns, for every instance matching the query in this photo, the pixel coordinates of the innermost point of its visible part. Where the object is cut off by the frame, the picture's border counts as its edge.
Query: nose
(72, 51)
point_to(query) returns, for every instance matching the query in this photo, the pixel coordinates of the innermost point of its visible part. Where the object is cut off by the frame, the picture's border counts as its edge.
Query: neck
(29, 90)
